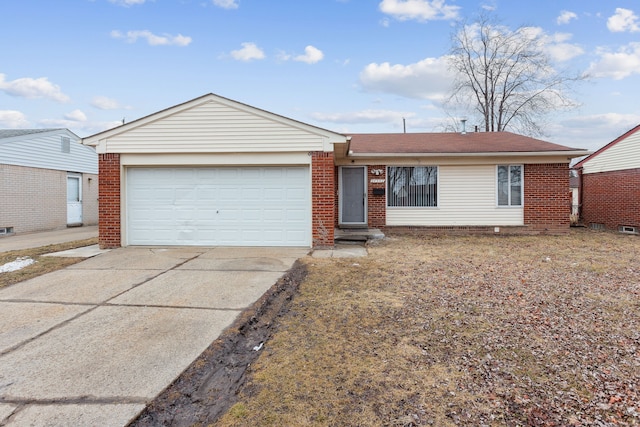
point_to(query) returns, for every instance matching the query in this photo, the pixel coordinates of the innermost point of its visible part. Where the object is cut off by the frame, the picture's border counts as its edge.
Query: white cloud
(27, 87)
(365, 116)
(491, 6)
(104, 103)
(13, 119)
(566, 17)
(311, 55)
(80, 128)
(152, 39)
(591, 132)
(427, 79)
(248, 52)
(226, 4)
(557, 47)
(76, 116)
(127, 3)
(623, 20)
(617, 65)
(420, 10)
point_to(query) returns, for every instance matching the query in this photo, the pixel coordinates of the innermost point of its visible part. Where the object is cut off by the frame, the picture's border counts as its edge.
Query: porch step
(357, 235)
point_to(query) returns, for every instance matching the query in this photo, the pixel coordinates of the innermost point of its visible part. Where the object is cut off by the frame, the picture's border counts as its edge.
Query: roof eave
(570, 154)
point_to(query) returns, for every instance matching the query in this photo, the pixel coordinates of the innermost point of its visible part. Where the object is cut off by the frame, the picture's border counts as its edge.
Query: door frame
(341, 197)
(78, 177)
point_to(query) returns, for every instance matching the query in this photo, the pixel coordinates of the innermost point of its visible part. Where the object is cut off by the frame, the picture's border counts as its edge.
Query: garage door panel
(231, 206)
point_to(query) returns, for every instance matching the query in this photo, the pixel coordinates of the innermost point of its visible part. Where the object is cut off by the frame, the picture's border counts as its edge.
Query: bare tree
(506, 77)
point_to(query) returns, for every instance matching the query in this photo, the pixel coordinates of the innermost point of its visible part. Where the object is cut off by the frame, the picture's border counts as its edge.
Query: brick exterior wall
(376, 206)
(547, 200)
(323, 198)
(35, 199)
(611, 198)
(109, 201)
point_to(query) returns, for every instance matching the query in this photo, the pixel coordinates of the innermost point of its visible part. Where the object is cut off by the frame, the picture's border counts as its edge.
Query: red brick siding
(336, 207)
(376, 206)
(109, 225)
(323, 198)
(547, 201)
(611, 198)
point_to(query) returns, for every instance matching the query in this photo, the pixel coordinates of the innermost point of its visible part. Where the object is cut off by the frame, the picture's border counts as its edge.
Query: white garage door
(223, 206)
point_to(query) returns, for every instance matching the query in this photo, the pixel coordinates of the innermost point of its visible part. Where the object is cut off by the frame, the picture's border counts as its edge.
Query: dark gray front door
(353, 195)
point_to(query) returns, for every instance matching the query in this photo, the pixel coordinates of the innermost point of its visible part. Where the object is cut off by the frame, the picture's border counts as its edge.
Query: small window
(628, 229)
(65, 145)
(412, 186)
(509, 185)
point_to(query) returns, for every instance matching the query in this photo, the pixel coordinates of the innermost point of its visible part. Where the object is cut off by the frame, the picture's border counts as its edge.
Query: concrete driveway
(94, 343)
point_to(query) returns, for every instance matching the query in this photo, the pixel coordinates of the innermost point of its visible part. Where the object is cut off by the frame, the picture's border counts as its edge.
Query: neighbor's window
(65, 144)
(510, 185)
(415, 186)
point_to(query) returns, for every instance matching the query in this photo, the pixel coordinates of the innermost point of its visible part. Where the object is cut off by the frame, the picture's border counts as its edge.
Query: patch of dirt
(209, 386)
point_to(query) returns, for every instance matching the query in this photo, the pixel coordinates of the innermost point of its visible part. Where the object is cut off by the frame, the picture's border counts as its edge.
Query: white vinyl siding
(218, 206)
(215, 127)
(623, 155)
(45, 151)
(466, 197)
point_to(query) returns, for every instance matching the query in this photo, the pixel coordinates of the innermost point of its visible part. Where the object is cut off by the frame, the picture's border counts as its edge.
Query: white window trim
(386, 202)
(510, 206)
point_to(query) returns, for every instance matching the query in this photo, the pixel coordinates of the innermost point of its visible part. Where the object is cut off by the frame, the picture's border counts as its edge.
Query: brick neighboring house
(48, 180)
(213, 172)
(610, 185)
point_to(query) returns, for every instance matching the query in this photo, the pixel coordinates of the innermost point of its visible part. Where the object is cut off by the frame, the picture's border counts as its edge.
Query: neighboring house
(610, 185)
(48, 180)
(213, 171)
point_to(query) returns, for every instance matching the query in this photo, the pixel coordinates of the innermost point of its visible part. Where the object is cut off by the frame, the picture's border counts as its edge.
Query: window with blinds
(412, 186)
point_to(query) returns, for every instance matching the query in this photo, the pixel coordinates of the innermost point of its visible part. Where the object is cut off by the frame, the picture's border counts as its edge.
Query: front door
(353, 195)
(74, 200)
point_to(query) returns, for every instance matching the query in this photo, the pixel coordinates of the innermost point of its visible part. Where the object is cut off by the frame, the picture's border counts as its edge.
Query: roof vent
(464, 126)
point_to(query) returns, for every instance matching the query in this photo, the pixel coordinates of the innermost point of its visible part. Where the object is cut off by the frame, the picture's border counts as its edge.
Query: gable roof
(12, 133)
(622, 137)
(472, 143)
(213, 118)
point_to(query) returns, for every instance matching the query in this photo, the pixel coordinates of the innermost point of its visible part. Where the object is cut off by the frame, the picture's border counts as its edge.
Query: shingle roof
(10, 133)
(454, 143)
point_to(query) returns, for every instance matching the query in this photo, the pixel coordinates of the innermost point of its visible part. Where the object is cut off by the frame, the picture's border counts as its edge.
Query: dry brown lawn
(42, 264)
(457, 331)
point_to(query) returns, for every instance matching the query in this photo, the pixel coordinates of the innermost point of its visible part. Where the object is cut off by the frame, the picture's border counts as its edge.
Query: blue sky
(351, 66)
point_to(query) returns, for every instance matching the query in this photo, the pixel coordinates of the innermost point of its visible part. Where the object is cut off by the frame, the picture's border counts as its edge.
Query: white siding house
(48, 179)
(610, 185)
(212, 172)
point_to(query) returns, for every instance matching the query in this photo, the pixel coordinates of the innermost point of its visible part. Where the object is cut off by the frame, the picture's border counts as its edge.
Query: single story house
(213, 171)
(48, 181)
(610, 185)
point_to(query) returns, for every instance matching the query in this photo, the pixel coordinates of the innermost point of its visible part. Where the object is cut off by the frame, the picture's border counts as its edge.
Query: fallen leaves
(460, 330)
